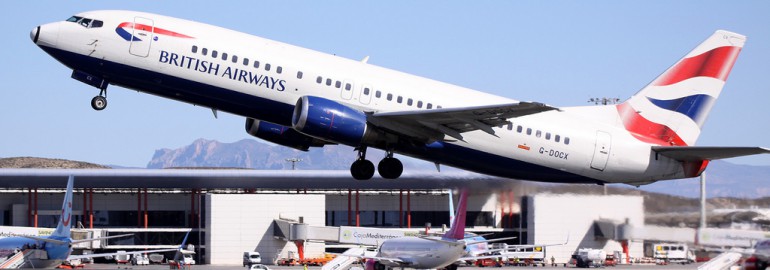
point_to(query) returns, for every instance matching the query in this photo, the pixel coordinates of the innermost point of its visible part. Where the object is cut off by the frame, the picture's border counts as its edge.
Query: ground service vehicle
(251, 257)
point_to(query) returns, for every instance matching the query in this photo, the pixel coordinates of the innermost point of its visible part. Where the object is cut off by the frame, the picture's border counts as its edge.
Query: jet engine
(282, 135)
(332, 121)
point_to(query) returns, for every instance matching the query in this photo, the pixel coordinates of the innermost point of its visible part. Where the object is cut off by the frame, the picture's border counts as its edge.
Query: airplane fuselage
(420, 253)
(263, 79)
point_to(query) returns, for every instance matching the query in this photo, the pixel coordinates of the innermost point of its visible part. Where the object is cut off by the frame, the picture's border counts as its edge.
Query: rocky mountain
(254, 154)
(724, 179)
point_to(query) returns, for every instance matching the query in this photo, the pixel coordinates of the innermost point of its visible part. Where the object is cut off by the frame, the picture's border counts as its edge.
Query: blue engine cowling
(282, 135)
(329, 120)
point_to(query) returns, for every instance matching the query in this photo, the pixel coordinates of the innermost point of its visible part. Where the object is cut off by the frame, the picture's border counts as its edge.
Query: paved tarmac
(273, 267)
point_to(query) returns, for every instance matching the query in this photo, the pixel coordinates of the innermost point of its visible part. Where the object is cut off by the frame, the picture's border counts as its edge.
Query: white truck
(673, 253)
(589, 257)
(251, 257)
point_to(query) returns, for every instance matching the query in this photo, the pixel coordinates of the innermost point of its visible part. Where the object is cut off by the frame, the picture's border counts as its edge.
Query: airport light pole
(604, 101)
(293, 162)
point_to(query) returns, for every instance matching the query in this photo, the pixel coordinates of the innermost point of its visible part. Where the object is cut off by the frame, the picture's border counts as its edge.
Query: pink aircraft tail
(457, 231)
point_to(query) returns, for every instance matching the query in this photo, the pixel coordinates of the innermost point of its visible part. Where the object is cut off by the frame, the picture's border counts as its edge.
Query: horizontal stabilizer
(699, 153)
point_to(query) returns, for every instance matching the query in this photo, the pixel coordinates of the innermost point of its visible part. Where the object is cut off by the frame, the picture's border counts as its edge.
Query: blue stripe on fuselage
(272, 111)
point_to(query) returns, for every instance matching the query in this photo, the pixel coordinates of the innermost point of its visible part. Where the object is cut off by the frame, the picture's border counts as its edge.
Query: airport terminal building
(226, 221)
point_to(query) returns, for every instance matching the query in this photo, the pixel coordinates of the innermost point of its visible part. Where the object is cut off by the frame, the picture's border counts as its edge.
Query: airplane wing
(432, 125)
(100, 255)
(699, 153)
(490, 240)
(99, 238)
(362, 256)
(44, 239)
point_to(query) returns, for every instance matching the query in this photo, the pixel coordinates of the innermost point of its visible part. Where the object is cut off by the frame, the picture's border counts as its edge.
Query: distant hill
(46, 163)
(724, 179)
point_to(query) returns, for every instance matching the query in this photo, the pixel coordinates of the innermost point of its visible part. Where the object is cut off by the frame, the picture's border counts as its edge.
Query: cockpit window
(86, 22)
(74, 19)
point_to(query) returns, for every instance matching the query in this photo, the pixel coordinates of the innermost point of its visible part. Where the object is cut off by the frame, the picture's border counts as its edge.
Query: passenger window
(204, 51)
(267, 67)
(235, 59)
(529, 131)
(400, 99)
(366, 91)
(519, 129)
(547, 135)
(409, 102)
(245, 61)
(347, 86)
(224, 56)
(328, 82)
(214, 53)
(419, 104)
(510, 126)
(390, 97)
(430, 106)
(256, 64)
(537, 134)
(299, 74)
(97, 24)
(378, 94)
(557, 138)
(338, 84)
(279, 69)
(318, 79)
(194, 49)
(566, 140)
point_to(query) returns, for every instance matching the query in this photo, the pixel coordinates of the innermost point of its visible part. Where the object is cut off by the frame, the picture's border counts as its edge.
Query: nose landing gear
(100, 102)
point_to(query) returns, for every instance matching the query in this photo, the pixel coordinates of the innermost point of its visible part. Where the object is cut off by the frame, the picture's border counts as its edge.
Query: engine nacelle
(282, 135)
(331, 121)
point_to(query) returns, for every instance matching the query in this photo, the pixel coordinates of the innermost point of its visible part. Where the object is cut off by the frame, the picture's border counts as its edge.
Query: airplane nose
(35, 34)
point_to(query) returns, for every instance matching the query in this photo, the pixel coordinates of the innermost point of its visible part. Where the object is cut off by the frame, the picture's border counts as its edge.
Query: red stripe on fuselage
(646, 130)
(156, 30)
(715, 63)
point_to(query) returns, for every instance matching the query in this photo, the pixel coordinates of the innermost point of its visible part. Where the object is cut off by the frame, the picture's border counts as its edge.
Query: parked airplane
(427, 252)
(302, 98)
(50, 251)
(758, 257)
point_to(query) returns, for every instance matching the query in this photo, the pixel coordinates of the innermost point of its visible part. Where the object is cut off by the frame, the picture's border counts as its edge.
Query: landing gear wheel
(390, 168)
(99, 103)
(362, 169)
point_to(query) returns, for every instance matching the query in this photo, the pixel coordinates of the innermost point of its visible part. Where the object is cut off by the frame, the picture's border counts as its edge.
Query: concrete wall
(243, 222)
(553, 217)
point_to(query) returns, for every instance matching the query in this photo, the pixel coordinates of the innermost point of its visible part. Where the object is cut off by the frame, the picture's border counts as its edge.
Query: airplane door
(142, 37)
(601, 150)
(366, 95)
(347, 90)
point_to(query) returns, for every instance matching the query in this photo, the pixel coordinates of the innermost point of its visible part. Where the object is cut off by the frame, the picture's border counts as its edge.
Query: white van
(251, 257)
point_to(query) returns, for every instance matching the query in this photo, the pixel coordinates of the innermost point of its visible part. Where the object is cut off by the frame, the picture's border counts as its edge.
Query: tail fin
(457, 231)
(672, 108)
(63, 228)
(451, 208)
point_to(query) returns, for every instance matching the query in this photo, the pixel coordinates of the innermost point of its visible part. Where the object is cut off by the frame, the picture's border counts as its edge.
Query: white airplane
(302, 98)
(50, 251)
(758, 257)
(426, 252)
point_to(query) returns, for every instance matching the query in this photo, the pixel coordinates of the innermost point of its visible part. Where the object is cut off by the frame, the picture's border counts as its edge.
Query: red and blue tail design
(125, 29)
(65, 220)
(457, 229)
(672, 109)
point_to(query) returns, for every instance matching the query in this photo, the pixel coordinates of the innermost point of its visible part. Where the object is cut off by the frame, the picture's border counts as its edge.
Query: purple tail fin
(457, 231)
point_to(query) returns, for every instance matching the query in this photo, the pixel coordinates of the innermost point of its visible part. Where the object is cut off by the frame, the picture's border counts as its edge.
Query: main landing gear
(100, 102)
(363, 169)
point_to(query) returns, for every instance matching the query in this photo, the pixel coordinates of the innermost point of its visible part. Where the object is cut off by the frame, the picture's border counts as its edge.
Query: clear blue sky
(558, 52)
